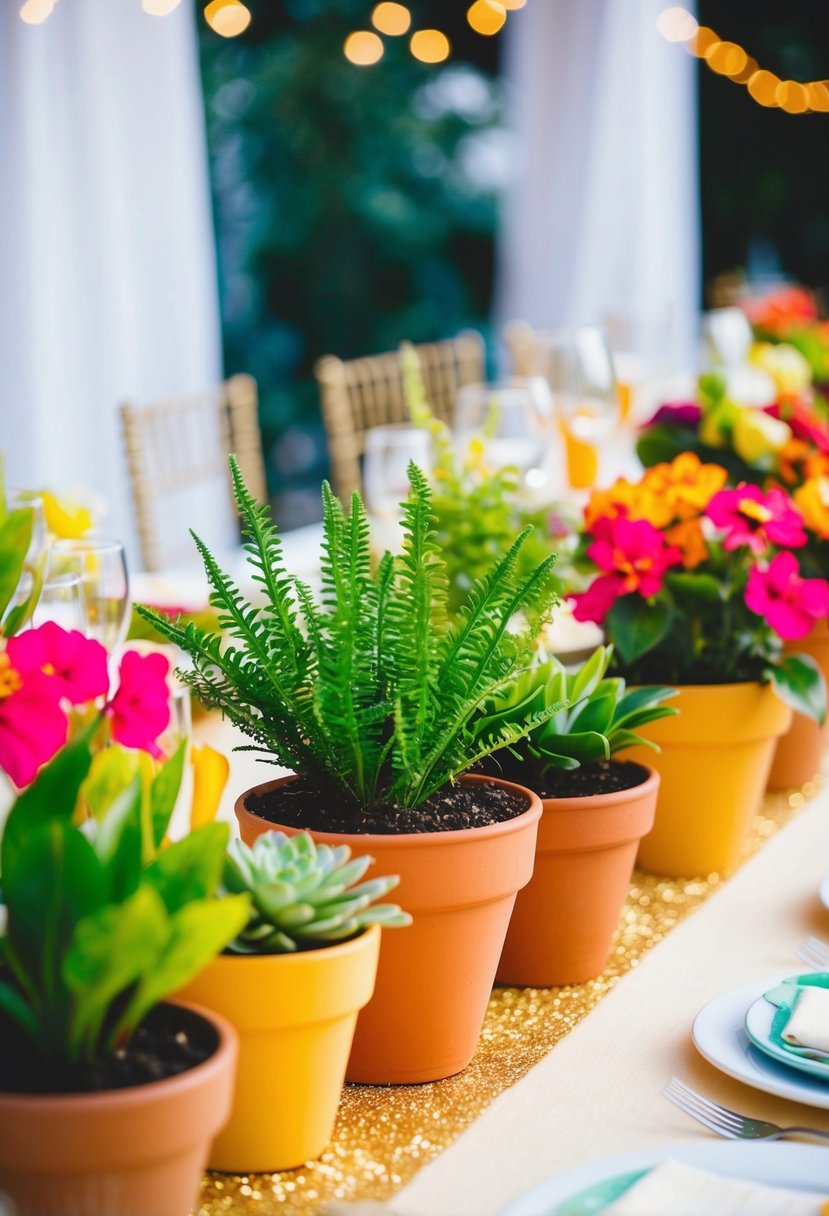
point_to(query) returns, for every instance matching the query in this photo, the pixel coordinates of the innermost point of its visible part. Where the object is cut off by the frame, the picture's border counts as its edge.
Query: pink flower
(756, 519)
(33, 727)
(76, 664)
(790, 604)
(633, 556)
(140, 709)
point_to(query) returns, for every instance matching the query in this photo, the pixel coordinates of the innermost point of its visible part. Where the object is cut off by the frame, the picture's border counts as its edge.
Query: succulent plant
(598, 715)
(303, 894)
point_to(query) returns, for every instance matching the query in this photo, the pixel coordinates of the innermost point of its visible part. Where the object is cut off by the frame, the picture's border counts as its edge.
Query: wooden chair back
(181, 444)
(359, 394)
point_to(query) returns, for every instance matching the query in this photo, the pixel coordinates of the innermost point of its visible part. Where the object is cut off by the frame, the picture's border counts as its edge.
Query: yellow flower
(790, 371)
(622, 498)
(684, 487)
(757, 437)
(210, 773)
(812, 498)
(65, 520)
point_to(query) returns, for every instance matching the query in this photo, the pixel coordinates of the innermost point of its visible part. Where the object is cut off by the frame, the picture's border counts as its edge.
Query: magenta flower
(33, 726)
(790, 604)
(76, 664)
(633, 556)
(677, 413)
(756, 519)
(140, 709)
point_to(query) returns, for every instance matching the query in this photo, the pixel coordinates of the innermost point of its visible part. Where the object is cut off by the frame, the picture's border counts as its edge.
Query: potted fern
(292, 983)
(596, 811)
(371, 698)
(109, 1094)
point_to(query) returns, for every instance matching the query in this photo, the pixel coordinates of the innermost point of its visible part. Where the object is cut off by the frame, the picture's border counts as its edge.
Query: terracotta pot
(714, 762)
(564, 919)
(799, 752)
(134, 1152)
(295, 1015)
(436, 975)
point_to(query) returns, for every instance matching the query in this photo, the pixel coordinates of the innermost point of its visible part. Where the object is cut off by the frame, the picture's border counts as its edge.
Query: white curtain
(604, 205)
(107, 268)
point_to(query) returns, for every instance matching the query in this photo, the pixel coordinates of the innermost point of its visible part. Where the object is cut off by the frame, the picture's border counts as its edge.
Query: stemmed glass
(17, 499)
(100, 565)
(387, 452)
(641, 339)
(61, 600)
(512, 421)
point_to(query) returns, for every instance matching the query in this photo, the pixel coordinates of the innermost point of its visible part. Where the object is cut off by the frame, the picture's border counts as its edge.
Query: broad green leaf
(112, 772)
(688, 585)
(119, 841)
(15, 538)
(636, 626)
(589, 674)
(108, 952)
(164, 791)
(191, 868)
(15, 1006)
(198, 932)
(798, 681)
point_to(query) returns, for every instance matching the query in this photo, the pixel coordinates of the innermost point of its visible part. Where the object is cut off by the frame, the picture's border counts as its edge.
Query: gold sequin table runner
(384, 1136)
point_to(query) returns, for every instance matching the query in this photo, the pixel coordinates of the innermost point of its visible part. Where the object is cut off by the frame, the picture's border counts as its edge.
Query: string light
(35, 12)
(227, 17)
(391, 19)
(430, 46)
(363, 48)
(486, 16)
(159, 8)
(512, 6)
(728, 59)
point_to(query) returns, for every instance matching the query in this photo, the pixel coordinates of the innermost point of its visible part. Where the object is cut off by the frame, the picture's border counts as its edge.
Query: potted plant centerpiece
(373, 704)
(292, 983)
(698, 586)
(596, 811)
(109, 1097)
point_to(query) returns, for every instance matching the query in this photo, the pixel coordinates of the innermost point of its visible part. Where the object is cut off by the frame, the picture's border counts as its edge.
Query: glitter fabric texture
(383, 1136)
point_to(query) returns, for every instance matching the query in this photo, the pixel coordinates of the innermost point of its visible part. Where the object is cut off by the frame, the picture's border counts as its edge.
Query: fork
(728, 1123)
(814, 952)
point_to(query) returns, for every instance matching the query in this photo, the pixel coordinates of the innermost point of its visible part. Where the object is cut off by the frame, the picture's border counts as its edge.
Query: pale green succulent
(303, 894)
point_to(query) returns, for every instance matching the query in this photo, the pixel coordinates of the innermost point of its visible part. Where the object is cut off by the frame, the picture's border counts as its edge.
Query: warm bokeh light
(743, 77)
(486, 16)
(726, 58)
(363, 48)
(792, 97)
(818, 92)
(676, 24)
(227, 17)
(513, 5)
(701, 41)
(430, 46)
(392, 19)
(763, 87)
(159, 8)
(33, 12)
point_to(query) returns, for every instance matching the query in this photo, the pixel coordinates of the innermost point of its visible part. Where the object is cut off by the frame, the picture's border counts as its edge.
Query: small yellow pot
(295, 1015)
(714, 763)
(800, 751)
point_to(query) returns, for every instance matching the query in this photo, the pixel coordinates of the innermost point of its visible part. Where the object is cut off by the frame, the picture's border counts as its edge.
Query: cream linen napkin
(673, 1189)
(808, 1025)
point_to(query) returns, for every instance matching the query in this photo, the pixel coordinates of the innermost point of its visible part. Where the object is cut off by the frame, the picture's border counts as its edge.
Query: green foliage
(478, 511)
(593, 716)
(375, 698)
(798, 681)
(15, 539)
(304, 895)
(95, 935)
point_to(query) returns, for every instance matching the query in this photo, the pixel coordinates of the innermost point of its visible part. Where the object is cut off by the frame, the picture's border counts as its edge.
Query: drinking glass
(579, 368)
(512, 419)
(388, 450)
(62, 600)
(16, 499)
(101, 565)
(640, 333)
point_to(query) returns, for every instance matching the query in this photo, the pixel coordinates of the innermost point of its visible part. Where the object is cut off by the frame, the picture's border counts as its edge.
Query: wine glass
(388, 450)
(101, 565)
(62, 600)
(640, 333)
(512, 420)
(18, 499)
(579, 368)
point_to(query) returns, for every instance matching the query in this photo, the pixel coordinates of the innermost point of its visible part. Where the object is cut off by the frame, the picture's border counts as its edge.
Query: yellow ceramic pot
(295, 1015)
(800, 751)
(714, 764)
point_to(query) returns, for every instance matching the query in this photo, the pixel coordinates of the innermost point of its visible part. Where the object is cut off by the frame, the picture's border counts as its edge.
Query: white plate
(823, 892)
(802, 1167)
(719, 1035)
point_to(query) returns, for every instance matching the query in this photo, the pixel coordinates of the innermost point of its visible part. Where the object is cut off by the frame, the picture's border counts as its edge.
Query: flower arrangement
(52, 679)
(790, 315)
(698, 583)
(304, 895)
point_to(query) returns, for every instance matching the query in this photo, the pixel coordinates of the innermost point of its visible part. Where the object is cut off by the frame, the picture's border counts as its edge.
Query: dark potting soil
(298, 804)
(601, 777)
(170, 1041)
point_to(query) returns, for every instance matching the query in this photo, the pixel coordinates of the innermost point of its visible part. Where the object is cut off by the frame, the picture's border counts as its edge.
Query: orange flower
(688, 538)
(813, 500)
(684, 487)
(817, 465)
(792, 456)
(620, 499)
